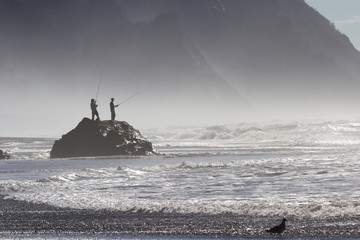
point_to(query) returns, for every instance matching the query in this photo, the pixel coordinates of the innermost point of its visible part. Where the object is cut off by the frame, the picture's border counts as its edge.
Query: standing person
(112, 109)
(94, 111)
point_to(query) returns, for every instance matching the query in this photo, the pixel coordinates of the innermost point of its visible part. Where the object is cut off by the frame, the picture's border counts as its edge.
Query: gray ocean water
(300, 170)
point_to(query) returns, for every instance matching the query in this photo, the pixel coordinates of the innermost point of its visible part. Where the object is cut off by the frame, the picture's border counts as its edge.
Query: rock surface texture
(4, 155)
(102, 138)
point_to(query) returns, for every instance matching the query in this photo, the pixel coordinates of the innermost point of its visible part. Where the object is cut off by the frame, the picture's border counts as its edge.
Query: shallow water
(301, 170)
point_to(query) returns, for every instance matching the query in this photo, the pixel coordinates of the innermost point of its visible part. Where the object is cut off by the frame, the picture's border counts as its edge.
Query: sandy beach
(23, 217)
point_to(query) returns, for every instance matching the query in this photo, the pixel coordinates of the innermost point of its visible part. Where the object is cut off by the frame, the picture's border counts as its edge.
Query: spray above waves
(302, 132)
(27, 148)
(219, 139)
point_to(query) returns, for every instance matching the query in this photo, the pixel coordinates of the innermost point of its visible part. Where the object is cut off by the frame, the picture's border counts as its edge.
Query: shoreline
(18, 217)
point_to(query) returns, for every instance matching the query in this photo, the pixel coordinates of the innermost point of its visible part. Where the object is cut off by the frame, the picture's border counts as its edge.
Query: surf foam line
(318, 210)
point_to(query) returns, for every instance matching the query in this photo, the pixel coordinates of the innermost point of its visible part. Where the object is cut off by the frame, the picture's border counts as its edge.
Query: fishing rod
(129, 98)
(97, 92)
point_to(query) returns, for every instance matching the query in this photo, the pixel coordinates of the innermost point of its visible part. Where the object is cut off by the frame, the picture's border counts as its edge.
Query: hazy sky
(46, 88)
(344, 14)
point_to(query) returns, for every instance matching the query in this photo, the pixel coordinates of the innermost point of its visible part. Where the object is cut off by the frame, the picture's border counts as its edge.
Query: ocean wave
(309, 210)
(219, 132)
(83, 174)
(302, 132)
(183, 166)
(27, 148)
(320, 210)
(257, 187)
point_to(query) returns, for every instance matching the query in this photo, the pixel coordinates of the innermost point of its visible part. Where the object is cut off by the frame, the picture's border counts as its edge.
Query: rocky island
(4, 155)
(102, 138)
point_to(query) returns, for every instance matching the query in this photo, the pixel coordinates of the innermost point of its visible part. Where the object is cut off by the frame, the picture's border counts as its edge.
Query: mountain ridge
(195, 61)
(271, 50)
(157, 57)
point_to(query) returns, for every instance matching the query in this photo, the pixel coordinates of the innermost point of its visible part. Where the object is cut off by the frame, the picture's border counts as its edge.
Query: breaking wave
(27, 148)
(256, 187)
(300, 169)
(341, 132)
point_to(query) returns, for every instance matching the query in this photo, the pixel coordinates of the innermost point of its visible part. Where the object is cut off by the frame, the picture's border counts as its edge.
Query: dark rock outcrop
(102, 138)
(4, 155)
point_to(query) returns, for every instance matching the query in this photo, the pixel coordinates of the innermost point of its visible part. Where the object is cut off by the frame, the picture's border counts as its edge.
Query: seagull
(278, 229)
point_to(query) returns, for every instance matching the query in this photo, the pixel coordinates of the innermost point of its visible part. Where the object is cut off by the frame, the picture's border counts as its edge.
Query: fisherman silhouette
(112, 109)
(278, 229)
(94, 111)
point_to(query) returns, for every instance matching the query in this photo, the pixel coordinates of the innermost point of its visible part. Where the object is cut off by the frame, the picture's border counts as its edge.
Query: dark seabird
(278, 229)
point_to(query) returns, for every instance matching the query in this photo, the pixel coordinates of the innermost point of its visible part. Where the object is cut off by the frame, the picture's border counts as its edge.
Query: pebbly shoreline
(23, 217)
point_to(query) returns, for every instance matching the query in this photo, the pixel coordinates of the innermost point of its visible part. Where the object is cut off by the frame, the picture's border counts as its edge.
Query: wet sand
(22, 217)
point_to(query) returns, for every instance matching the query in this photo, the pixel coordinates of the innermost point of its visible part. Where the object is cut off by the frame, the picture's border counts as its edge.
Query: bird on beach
(278, 229)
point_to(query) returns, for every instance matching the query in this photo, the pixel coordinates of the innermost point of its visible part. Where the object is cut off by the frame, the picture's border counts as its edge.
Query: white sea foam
(300, 169)
(254, 187)
(301, 132)
(26, 148)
